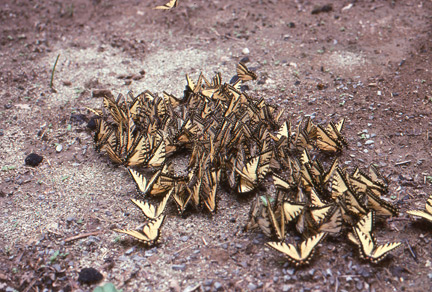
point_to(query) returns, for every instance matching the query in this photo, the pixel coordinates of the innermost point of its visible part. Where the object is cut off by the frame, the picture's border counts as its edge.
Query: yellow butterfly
(169, 5)
(300, 254)
(244, 73)
(150, 232)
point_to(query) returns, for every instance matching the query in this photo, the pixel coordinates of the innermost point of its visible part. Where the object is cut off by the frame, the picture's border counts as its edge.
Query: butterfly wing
(169, 5)
(292, 210)
(244, 73)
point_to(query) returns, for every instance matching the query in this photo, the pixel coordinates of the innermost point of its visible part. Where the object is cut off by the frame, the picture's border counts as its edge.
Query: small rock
(180, 267)
(369, 142)
(102, 93)
(89, 276)
(245, 51)
(59, 148)
(359, 285)
(33, 159)
(122, 258)
(7, 106)
(129, 251)
(218, 286)
(208, 282)
(174, 286)
(57, 267)
(252, 287)
(245, 59)
(184, 238)
(92, 124)
(70, 219)
(138, 258)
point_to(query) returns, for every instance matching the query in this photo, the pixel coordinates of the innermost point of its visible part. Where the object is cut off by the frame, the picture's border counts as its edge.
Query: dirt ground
(368, 61)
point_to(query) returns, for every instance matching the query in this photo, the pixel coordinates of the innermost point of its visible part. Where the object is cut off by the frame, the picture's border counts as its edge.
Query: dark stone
(92, 124)
(291, 25)
(245, 59)
(102, 93)
(324, 8)
(33, 159)
(89, 276)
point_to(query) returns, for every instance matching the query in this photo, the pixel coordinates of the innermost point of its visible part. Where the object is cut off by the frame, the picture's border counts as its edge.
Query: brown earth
(368, 62)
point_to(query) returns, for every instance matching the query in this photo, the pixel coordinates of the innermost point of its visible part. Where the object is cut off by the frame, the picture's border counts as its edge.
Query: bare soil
(369, 62)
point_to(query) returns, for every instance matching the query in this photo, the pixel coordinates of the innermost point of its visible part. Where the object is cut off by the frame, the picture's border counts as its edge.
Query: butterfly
(253, 172)
(426, 213)
(381, 207)
(150, 232)
(365, 224)
(158, 156)
(169, 5)
(150, 211)
(326, 142)
(291, 210)
(279, 229)
(369, 250)
(300, 254)
(376, 183)
(332, 223)
(181, 196)
(268, 221)
(104, 135)
(244, 73)
(142, 184)
(209, 188)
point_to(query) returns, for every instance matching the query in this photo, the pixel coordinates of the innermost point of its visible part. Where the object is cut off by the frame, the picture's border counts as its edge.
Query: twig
(79, 236)
(411, 251)
(403, 162)
(203, 239)
(30, 285)
(53, 70)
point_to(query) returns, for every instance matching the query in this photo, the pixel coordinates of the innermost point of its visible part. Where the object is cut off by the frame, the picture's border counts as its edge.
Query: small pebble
(245, 59)
(57, 267)
(184, 238)
(252, 287)
(59, 147)
(218, 286)
(245, 51)
(369, 142)
(174, 286)
(129, 251)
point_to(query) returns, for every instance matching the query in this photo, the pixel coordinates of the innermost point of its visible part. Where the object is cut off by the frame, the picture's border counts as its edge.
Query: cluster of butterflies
(314, 202)
(237, 142)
